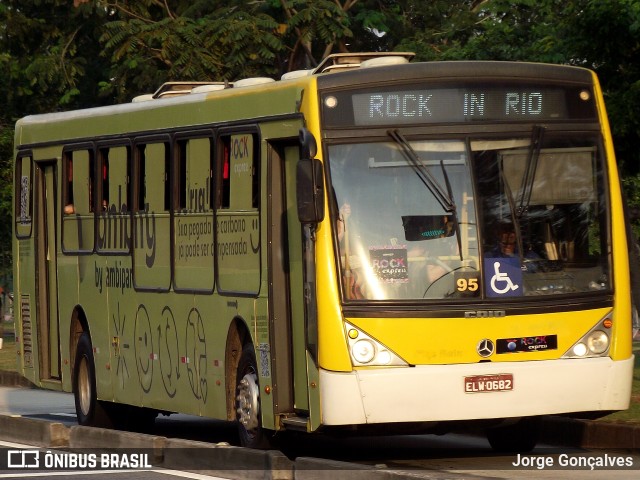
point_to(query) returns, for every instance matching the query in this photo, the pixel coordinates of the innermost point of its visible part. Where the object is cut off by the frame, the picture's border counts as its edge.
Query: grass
(8, 362)
(8, 350)
(633, 413)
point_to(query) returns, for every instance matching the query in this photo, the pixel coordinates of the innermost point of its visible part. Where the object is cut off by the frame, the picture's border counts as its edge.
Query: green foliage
(50, 52)
(216, 44)
(8, 355)
(319, 20)
(6, 184)
(631, 189)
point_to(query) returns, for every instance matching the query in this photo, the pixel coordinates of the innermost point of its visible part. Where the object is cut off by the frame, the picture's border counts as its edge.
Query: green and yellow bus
(372, 245)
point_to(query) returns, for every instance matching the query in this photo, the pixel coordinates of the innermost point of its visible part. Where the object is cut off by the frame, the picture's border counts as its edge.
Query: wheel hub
(248, 401)
(84, 387)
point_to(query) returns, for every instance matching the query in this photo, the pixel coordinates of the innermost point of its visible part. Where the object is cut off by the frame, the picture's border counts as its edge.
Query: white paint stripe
(194, 476)
(68, 473)
(17, 445)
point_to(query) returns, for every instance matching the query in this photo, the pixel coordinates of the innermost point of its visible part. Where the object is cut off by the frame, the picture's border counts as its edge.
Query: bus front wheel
(89, 410)
(247, 403)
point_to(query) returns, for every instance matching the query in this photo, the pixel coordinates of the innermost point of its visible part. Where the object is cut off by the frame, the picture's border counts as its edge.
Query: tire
(89, 410)
(521, 437)
(247, 402)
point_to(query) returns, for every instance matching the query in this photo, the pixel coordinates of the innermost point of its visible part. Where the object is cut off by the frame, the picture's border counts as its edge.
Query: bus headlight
(384, 357)
(594, 343)
(598, 342)
(366, 351)
(363, 351)
(580, 350)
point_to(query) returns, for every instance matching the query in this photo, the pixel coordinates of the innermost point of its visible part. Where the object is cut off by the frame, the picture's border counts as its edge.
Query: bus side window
(103, 180)
(113, 201)
(194, 174)
(238, 218)
(181, 176)
(153, 177)
(23, 200)
(78, 182)
(239, 173)
(91, 184)
(224, 193)
(193, 222)
(115, 179)
(67, 201)
(76, 187)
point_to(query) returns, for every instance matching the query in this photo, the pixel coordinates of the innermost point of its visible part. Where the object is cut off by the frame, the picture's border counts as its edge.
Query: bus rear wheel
(89, 410)
(250, 431)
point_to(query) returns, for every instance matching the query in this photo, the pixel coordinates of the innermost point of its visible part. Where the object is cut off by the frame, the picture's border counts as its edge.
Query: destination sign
(473, 103)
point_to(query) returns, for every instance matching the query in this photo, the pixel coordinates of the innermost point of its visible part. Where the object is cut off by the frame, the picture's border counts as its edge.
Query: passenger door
(46, 271)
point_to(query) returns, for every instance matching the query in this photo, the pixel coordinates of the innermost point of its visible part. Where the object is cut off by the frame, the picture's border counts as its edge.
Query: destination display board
(417, 104)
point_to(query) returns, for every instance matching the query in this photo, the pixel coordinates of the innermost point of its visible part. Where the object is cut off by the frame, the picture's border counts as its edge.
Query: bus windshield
(479, 218)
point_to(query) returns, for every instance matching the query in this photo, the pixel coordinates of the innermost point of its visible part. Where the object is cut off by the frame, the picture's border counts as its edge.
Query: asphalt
(234, 462)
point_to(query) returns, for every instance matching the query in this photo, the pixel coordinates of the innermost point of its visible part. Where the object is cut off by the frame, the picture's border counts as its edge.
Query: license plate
(501, 382)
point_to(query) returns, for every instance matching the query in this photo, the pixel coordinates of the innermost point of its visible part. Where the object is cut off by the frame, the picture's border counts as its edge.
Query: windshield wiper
(515, 219)
(526, 188)
(444, 197)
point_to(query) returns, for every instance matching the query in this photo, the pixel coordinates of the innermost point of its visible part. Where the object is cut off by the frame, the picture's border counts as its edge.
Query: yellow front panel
(429, 341)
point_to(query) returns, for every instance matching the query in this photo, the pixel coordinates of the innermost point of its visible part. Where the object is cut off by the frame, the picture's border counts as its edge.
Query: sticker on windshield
(389, 264)
(467, 283)
(504, 277)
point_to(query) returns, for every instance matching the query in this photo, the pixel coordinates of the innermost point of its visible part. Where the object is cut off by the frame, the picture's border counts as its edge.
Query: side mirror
(309, 181)
(310, 190)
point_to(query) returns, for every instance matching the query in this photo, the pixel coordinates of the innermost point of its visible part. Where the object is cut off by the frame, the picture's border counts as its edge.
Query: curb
(32, 431)
(96, 438)
(226, 461)
(590, 434)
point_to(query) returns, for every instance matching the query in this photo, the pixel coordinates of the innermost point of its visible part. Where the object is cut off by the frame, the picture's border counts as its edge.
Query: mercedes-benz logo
(485, 347)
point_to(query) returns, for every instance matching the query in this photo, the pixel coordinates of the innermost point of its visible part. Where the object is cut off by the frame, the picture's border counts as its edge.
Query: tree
(605, 36)
(151, 41)
(50, 56)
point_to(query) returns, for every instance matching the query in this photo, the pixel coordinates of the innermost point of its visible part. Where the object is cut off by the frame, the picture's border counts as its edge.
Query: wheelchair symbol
(502, 278)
